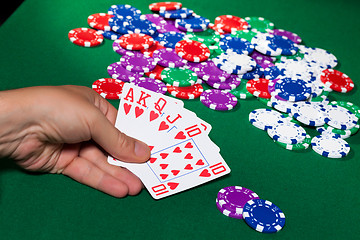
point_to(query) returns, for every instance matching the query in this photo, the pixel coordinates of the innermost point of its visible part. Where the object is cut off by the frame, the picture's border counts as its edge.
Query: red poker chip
(155, 73)
(230, 23)
(149, 52)
(259, 87)
(192, 51)
(108, 88)
(136, 41)
(164, 6)
(100, 21)
(85, 37)
(336, 80)
(191, 92)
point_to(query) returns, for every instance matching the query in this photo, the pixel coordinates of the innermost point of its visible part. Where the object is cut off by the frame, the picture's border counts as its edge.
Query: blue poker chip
(258, 72)
(273, 73)
(263, 216)
(293, 89)
(111, 35)
(194, 22)
(117, 25)
(124, 10)
(140, 24)
(176, 14)
(169, 39)
(238, 45)
(285, 45)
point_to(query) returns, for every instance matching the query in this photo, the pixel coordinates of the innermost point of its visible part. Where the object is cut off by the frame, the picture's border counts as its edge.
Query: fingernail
(141, 149)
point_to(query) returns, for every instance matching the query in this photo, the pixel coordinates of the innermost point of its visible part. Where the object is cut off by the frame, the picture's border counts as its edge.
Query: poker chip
(230, 83)
(349, 132)
(179, 77)
(339, 117)
(209, 72)
(237, 45)
(108, 88)
(218, 100)
(139, 25)
(293, 89)
(111, 35)
(178, 13)
(164, 6)
(190, 92)
(260, 24)
(309, 113)
(192, 50)
(330, 146)
(120, 50)
(124, 10)
(100, 21)
(283, 44)
(137, 62)
(192, 23)
(85, 37)
(349, 106)
(150, 84)
(290, 35)
(326, 131)
(320, 57)
(257, 72)
(231, 200)
(263, 60)
(230, 23)
(234, 63)
(263, 216)
(287, 132)
(149, 52)
(136, 41)
(245, 34)
(169, 39)
(336, 80)
(117, 25)
(167, 57)
(259, 87)
(264, 118)
(298, 146)
(263, 44)
(241, 92)
(208, 36)
(155, 73)
(117, 71)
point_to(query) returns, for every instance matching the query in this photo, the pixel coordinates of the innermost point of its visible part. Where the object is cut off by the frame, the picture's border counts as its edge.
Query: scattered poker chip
(139, 25)
(152, 48)
(245, 34)
(330, 146)
(241, 92)
(262, 43)
(164, 6)
(208, 71)
(259, 87)
(234, 63)
(85, 37)
(218, 100)
(238, 45)
(176, 14)
(257, 72)
(292, 36)
(328, 131)
(232, 200)
(179, 77)
(191, 92)
(263, 60)
(193, 23)
(350, 131)
(263, 216)
(309, 113)
(120, 50)
(349, 106)
(136, 41)
(117, 71)
(124, 10)
(230, 23)
(208, 36)
(137, 62)
(339, 117)
(117, 25)
(230, 83)
(156, 72)
(100, 21)
(259, 24)
(108, 88)
(264, 118)
(297, 146)
(320, 57)
(167, 57)
(151, 84)
(336, 80)
(192, 50)
(169, 39)
(287, 132)
(286, 46)
(293, 89)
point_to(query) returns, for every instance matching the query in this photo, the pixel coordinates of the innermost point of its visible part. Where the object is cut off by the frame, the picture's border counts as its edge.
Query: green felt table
(319, 196)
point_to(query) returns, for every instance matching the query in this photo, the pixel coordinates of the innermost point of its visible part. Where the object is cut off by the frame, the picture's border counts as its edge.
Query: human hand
(69, 130)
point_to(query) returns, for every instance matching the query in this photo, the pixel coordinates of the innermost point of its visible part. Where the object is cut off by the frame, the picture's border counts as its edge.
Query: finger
(87, 173)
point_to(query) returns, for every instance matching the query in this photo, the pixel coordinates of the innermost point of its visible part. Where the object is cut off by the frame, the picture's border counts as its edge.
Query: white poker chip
(262, 44)
(330, 146)
(264, 118)
(308, 113)
(324, 131)
(339, 117)
(234, 63)
(319, 57)
(287, 132)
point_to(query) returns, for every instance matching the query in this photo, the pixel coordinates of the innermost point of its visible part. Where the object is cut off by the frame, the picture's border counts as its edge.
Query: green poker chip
(208, 37)
(350, 131)
(179, 77)
(245, 34)
(260, 24)
(241, 92)
(296, 147)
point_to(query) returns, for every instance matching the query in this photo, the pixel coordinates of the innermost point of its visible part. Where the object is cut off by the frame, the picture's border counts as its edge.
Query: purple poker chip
(292, 36)
(137, 62)
(155, 18)
(218, 100)
(120, 50)
(208, 71)
(192, 66)
(227, 212)
(117, 71)
(162, 25)
(263, 60)
(151, 84)
(167, 57)
(163, 28)
(230, 83)
(233, 198)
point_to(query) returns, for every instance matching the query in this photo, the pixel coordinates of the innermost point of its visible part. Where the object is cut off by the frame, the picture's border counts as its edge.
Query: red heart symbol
(200, 162)
(188, 167)
(138, 111)
(164, 176)
(180, 135)
(189, 145)
(163, 126)
(175, 172)
(127, 108)
(152, 160)
(188, 156)
(172, 185)
(177, 150)
(164, 155)
(205, 173)
(153, 115)
(163, 166)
